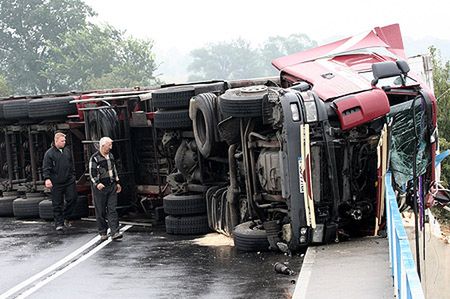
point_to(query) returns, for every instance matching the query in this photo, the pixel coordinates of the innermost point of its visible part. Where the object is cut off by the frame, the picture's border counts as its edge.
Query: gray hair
(104, 140)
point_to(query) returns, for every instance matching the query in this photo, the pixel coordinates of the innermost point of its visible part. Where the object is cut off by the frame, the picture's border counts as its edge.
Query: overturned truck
(301, 158)
(279, 163)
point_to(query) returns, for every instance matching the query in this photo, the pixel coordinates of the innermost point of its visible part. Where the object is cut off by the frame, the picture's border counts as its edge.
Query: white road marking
(65, 260)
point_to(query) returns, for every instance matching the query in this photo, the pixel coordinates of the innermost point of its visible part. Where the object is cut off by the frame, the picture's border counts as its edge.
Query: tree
(27, 27)
(278, 46)
(238, 60)
(441, 82)
(100, 57)
(134, 66)
(49, 46)
(5, 90)
(87, 53)
(225, 60)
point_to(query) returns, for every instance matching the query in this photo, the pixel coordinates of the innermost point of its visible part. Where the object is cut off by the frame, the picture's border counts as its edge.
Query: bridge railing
(406, 280)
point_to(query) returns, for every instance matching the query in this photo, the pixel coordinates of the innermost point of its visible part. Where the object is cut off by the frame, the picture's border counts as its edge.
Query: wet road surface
(148, 263)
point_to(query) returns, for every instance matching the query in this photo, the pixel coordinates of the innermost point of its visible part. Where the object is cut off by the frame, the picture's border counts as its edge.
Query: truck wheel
(46, 209)
(102, 122)
(179, 96)
(249, 236)
(173, 97)
(6, 206)
(211, 209)
(202, 111)
(27, 207)
(51, 107)
(172, 119)
(184, 204)
(193, 225)
(244, 101)
(16, 109)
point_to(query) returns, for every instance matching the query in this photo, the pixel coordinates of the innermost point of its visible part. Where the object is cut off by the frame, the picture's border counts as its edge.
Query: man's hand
(100, 186)
(48, 184)
(118, 188)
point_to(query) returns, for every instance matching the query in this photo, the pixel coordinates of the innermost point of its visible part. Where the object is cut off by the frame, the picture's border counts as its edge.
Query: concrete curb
(305, 274)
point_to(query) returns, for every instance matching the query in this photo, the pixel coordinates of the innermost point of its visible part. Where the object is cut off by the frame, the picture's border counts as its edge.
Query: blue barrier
(406, 279)
(441, 157)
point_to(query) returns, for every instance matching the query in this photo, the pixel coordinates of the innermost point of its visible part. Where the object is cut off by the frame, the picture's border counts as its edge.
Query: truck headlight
(295, 112)
(311, 111)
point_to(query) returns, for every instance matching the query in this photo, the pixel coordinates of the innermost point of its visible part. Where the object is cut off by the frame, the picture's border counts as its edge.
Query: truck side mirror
(403, 66)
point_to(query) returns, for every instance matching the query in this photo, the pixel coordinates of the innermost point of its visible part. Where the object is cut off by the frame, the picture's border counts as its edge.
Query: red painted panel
(388, 37)
(360, 108)
(329, 79)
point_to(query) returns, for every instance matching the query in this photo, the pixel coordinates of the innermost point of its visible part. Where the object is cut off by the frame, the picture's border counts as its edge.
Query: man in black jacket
(59, 176)
(105, 186)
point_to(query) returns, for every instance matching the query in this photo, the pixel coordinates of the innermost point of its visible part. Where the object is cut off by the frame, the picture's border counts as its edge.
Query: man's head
(105, 145)
(60, 140)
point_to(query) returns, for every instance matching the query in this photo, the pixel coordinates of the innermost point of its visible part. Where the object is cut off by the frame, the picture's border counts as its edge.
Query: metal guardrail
(406, 280)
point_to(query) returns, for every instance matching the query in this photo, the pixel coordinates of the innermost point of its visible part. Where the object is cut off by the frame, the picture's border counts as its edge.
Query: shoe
(60, 228)
(117, 236)
(103, 237)
(67, 223)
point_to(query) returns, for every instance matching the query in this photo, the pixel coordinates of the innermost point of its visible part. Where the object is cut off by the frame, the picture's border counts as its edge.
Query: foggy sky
(178, 26)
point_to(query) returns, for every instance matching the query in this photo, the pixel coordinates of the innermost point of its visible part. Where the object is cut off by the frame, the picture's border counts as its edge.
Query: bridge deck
(352, 269)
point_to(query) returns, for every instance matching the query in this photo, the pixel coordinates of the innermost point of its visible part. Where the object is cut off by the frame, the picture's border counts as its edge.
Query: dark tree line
(50, 46)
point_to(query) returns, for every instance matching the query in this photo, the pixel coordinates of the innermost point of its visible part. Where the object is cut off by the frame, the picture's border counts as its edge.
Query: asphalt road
(147, 263)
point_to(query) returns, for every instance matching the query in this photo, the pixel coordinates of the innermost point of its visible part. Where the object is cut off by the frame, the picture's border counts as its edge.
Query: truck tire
(27, 207)
(210, 208)
(6, 206)
(203, 111)
(179, 96)
(102, 122)
(16, 109)
(193, 225)
(46, 209)
(244, 101)
(51, 107)
(172, 119)
(173, 97)
(249, 236)
(184, 204)
(81, 209)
